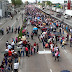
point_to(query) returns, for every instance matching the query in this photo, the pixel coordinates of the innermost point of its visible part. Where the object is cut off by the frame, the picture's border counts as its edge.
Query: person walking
(71, 41)
(12, 29)
(13, 45)
(43, 44)
(57, 54)
(7, 43)
(67, 37)
(18, 29)
(16, 66)
(28, 34)
(2, 31)
(22, 50)
(63, 30)
(37, 47)
(63, 44)
(32, 36)
(32, 50)
(26, 49)
(34, 47)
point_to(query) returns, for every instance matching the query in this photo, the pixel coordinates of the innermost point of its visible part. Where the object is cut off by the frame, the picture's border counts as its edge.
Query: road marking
(50, 70)
(65, 51)
(44, 52)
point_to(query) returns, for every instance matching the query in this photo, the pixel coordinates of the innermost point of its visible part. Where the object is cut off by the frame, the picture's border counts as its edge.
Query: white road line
(13, 23)
(50, 70)
(65, 51)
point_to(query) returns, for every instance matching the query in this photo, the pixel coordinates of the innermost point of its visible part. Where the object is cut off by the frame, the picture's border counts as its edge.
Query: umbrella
(23, 31)
(65, 71)
(38, 17)
(44, 33)
(20, 42)
(44, 23)
(23, 38)
(35, 28)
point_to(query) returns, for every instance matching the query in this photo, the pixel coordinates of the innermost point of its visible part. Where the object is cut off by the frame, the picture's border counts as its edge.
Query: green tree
(13, 2)
(16, 2)
(49, 3)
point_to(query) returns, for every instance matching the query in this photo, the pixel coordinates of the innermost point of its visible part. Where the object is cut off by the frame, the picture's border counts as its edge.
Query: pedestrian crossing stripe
(44, 52)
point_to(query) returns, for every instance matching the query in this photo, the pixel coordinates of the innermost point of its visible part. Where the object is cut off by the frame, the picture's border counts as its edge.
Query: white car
(66, 16)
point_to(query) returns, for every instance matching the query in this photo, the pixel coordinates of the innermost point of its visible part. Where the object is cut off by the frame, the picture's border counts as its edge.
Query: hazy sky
(54, 1)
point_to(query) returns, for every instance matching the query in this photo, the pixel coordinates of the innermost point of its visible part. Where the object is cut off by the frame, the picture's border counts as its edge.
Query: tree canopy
(16, 2)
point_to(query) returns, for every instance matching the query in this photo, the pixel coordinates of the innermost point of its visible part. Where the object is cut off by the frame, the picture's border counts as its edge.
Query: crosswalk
(44, 52)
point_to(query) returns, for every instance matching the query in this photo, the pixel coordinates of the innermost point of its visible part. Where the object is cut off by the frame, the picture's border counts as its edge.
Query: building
(4, 7)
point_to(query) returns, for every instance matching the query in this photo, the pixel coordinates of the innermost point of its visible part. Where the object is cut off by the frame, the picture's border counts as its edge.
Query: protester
(71, 41)
(26, 49)
(37, 47)
(63, 44)
(22, 50)
(16, 66)
(10, 63)
(13, 44)
(34, 47)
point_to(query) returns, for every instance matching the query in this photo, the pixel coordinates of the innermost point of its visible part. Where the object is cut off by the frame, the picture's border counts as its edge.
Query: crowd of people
(51, 37)
(19, 47)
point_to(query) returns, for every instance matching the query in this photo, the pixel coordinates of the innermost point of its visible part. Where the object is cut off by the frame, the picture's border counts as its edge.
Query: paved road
(9, 36)
(45, 62)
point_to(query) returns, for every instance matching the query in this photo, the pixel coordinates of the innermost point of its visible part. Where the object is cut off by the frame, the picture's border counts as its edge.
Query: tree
(49, 3)
(13, 2)
(16, 2)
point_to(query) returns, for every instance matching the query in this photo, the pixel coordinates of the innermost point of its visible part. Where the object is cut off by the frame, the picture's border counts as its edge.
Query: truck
(68, 12)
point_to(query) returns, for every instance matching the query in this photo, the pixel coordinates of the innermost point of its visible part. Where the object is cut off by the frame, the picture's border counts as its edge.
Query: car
(59, 15)
(66, 16)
